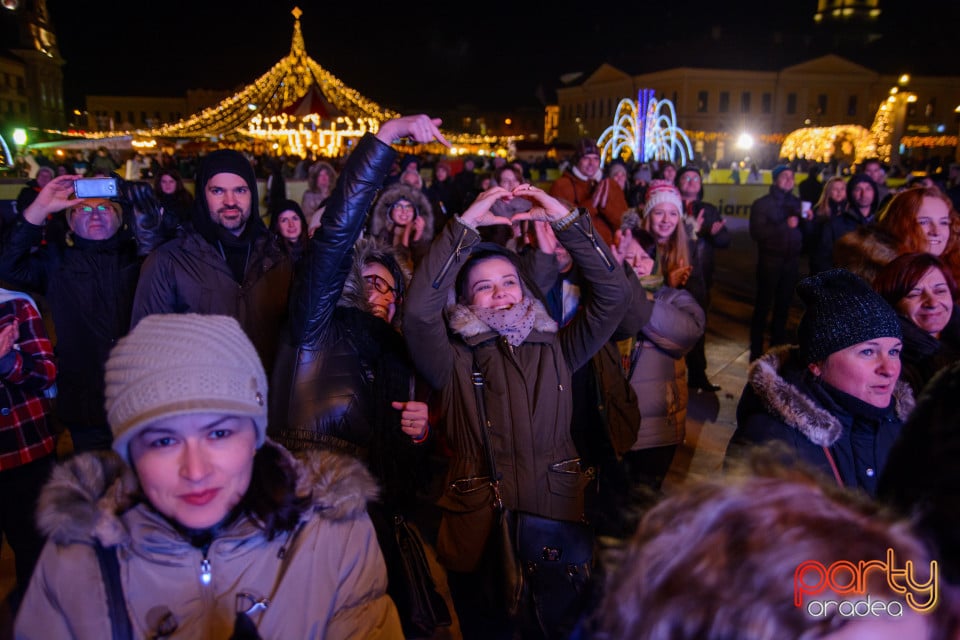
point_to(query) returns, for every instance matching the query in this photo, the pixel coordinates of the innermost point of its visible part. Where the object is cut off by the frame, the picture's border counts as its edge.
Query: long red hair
(899, 219)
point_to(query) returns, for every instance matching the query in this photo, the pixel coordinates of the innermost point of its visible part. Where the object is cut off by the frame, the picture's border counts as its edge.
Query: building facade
(716, 106)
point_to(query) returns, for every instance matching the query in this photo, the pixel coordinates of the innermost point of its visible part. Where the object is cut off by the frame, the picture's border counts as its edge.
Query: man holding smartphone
(227, 264)
(89, 278)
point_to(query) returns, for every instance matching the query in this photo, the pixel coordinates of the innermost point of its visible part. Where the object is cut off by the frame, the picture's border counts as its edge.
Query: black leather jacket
(341, 367)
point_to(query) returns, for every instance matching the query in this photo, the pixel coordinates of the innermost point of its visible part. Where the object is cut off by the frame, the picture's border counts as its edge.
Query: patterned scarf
(514, 324)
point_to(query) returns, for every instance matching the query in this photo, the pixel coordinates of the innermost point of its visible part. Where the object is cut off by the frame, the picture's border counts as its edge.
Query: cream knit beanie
(179, 364)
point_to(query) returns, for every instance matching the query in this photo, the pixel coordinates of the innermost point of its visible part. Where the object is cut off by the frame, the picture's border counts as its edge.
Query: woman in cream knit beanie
(180, 364)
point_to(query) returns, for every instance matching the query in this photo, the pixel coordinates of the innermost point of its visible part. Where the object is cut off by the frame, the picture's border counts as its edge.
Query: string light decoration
(647, 130)
(257, 111)
(823, 143)
(295, 107)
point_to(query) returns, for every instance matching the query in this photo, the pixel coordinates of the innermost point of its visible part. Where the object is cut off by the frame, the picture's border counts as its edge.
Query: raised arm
(608, 295)
(432, 286)
(327, 261)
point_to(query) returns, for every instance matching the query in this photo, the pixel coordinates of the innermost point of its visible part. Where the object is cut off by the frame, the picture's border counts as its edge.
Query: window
(702, 102)
(724, 101)
(745, 102)
(674, 99)
(130, 118)
(791, 103)
(852, 106)
(766, 103)
(931, 109)
(821, 104)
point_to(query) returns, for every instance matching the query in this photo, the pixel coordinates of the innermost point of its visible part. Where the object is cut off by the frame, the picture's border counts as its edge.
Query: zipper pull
(206, 574)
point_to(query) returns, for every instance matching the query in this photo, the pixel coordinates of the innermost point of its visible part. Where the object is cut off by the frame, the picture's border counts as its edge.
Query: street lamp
(19, 137)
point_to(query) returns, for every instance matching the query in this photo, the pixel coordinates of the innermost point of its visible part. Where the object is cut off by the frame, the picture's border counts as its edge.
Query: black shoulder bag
(546, 561)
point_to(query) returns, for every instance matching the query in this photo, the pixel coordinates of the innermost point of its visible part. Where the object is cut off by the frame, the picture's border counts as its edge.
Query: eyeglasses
(382, 286)
(691, 178)
(87, 209)
(406, 206)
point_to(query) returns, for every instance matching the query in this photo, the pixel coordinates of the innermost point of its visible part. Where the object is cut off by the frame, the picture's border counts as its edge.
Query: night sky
(430, 54)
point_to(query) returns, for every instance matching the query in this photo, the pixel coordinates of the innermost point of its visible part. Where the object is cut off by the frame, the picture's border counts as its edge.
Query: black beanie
(841, 311)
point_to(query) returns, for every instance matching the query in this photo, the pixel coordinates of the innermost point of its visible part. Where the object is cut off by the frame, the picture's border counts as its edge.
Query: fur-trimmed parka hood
(865, 251)
(354, 295)
(86, 497)
(775, 377)
(380, 219)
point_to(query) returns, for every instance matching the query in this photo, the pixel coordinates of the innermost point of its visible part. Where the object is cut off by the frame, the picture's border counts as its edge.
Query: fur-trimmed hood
(86, 497)
(798, 410)
(465, 323)
(380, 219)
(864, 251)
(354, 295)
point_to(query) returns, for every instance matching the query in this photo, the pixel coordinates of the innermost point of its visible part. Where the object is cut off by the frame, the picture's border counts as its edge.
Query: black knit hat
(841, 311)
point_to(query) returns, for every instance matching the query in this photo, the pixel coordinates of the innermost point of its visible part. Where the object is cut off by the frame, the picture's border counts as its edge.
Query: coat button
(871, 472)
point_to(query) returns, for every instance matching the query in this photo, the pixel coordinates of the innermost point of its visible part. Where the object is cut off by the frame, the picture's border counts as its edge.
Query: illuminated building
(31, 84)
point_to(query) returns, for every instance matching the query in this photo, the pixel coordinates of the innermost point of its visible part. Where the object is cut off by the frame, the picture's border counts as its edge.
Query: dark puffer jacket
(89, 285)
(783, 402)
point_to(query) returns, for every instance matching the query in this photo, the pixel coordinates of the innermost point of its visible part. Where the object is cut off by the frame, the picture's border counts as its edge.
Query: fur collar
(795, 407)
(467, 325)
(87, 495)
(864, 251)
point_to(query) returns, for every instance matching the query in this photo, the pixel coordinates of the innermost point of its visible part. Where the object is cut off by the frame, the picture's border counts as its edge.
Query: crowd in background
(469, 346)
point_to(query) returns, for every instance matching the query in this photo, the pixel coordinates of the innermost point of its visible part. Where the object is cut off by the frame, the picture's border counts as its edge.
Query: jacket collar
(776, 378)
(86, 497)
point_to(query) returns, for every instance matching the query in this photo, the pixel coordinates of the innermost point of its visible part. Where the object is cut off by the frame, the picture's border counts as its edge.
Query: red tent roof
(313, 101)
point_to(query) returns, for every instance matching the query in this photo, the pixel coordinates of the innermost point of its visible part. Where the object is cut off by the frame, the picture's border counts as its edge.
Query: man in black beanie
(227, 264)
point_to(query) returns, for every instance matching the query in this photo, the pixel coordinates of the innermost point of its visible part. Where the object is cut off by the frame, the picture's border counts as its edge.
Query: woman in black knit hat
(835, 400)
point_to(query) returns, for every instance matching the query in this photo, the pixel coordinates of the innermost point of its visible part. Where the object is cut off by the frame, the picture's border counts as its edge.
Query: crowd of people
(397, 409)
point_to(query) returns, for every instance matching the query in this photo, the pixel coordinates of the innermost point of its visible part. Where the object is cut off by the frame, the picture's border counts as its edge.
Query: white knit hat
(661, 191)
(181, 364)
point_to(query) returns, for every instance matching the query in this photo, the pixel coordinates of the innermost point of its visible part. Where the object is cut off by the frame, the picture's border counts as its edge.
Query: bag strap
(116, 605)
(833, 465)
(478, 384)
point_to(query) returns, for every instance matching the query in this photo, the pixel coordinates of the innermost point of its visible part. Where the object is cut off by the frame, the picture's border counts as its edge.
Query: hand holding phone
(96, 188)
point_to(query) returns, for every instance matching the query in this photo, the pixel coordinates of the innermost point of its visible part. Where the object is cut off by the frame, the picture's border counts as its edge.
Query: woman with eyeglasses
(343, 380)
